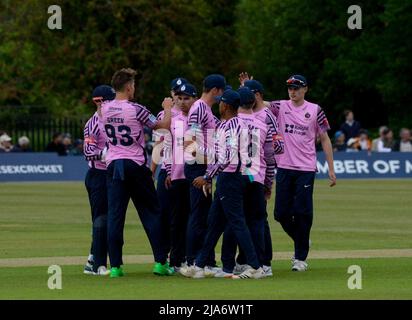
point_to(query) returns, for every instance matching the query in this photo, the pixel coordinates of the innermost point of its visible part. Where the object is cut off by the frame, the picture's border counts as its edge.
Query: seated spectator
(405, 143)
(352, 145)
(385, 142)
(364, 142)
(339, 144)
(67, 142)
(56, 145)
(388, 140)
(351, 127)
(77, 149)
(382, 129)
(23, 145)
(5, 143)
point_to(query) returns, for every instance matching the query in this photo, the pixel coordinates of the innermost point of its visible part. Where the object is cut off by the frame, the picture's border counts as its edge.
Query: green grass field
(53, 220)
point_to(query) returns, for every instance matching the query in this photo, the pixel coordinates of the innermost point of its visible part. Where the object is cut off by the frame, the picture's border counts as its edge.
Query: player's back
(123, 122)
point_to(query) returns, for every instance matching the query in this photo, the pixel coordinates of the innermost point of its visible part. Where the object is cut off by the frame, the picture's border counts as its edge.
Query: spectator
(385, 142)
(351, 127)
(388, 140)
(375, 142)
(404, 144)
(5, 143)
(77, 149)
(23, 145)
(364, 143)
(67, 142)
(352, 145)
(339, 144)
(56, 145)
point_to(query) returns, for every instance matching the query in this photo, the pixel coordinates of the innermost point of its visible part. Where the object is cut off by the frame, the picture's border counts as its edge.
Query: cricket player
(128, 173)
(227, 206)
(163, 193)
(300, 122)
(201, 123)
(258, 176)
(262, 113)
(176, 182)
(94, 148)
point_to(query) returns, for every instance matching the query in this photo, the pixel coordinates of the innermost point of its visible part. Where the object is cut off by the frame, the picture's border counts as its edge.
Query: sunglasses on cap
(98, 100)
(294, 81)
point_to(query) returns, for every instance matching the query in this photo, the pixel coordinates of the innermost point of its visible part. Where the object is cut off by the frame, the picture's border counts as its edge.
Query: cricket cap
(297, 81)
(254, 86)
(103, 92)
(214, 81)
(246, 96)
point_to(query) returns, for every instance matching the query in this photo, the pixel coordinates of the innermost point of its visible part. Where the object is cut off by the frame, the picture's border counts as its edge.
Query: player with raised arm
(128, 174)
(176, 182)
(96, 182)
(163, 194)
(300, 122)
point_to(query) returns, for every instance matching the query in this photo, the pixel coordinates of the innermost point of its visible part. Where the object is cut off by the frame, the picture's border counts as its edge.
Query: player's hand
(244, 77)
(167, 103)
(207, 189)
(199, 182)
(168, 182)
(332, 179)
(103, 154)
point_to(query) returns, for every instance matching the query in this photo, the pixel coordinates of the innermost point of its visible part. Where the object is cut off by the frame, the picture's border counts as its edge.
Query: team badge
(307, 115)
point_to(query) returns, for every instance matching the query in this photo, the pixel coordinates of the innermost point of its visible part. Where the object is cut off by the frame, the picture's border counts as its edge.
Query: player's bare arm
(327, 149)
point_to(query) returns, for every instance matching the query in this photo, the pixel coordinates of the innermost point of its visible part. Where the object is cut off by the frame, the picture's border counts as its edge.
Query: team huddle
(252, 142)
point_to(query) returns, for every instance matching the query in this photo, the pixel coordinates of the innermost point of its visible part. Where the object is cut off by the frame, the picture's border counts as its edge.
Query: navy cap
(254, 85)
(296, 81)
(231, 97)
(246, 96)
(176, 83)
(104, 92)
(214, 81)
(187, 89)
(228, 87)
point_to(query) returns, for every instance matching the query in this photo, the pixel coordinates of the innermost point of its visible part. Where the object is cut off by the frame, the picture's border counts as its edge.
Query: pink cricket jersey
(94, 142)
(300, 127)
(267, 116)
(231, 147)
(123, 122)
(159, 135)
(175, 141)
(262, 152)
(201, 119)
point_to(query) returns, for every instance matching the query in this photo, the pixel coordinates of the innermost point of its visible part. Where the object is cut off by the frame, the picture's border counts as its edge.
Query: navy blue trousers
(96, 185)
(163, 196)
(294, 207)
(255, 214)
(179, 210)
(128, 180)
(198, 217)
(227, 210)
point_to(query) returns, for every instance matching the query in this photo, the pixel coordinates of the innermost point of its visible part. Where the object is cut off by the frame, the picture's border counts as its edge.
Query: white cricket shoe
(102, 271)
(211, 271)
(251, 273)
(268, 271)
(239, 268)
(299, 265)
(223, 274)
(192, 272)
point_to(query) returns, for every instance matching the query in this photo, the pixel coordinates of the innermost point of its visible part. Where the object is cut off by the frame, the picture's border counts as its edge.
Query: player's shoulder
(313, 106)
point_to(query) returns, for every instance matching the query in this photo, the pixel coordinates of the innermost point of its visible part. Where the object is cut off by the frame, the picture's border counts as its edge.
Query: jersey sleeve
(274, 106)
(91, 135)
(269, 156)
(196, 117)
(277, 139)
(322, 123)
(145, 116)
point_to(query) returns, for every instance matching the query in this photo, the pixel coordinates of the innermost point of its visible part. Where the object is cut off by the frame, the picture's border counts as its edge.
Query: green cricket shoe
(163, 269)
(116, 272)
